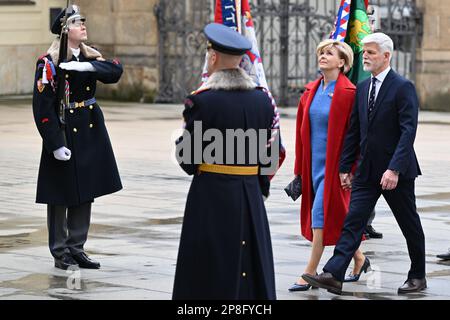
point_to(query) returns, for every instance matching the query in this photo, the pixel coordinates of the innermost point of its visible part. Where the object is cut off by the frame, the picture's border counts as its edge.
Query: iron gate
(182, 46)
(288, 32)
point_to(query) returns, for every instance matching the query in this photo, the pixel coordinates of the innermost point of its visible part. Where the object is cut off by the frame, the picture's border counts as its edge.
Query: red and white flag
(236, 14)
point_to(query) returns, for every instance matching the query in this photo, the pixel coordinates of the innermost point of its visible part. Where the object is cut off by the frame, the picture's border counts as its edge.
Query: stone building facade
(123, 29)
(24, 36)
(433, 55)
(127, 30)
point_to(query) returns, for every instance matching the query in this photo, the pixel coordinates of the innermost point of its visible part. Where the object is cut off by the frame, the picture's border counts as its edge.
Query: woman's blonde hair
(344, 50)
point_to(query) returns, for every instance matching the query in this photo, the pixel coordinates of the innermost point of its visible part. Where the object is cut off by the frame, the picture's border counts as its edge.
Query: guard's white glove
(77, 66)
(62, 154)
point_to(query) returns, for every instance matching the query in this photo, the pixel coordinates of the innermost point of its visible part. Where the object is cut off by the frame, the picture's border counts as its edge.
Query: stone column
(126, 30)
(433, 57)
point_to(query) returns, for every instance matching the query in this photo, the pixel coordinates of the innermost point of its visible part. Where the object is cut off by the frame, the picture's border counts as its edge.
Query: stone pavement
(135, 232)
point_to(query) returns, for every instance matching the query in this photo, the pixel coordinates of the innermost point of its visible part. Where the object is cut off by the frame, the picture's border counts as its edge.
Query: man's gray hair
(384, 41)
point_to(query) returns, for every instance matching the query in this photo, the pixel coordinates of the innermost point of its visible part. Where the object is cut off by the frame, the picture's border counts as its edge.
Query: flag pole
(239, 15)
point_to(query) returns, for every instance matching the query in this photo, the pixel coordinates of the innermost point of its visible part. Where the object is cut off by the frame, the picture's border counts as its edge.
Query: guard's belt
(226, 169)
(86, 103)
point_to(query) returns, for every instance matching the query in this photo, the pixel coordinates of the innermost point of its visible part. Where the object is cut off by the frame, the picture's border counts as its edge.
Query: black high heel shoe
(301, 287)
(355, 277)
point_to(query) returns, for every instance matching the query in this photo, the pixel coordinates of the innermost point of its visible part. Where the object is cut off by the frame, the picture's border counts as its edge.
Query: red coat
(336, 200)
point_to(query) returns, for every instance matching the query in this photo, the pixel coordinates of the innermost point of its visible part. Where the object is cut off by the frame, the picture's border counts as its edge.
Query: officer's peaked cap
(226, 40)
(73, 15)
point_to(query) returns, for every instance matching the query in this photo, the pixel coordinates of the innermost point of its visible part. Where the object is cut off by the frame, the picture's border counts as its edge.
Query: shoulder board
(265, 90)
(200, 90)
(45, 55)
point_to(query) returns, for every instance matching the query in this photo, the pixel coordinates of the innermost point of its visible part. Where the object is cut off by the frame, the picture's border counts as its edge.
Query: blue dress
(318, 117)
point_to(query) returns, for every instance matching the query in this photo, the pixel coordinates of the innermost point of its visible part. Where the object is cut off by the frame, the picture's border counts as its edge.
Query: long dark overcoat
(225, 248)
(92, 171)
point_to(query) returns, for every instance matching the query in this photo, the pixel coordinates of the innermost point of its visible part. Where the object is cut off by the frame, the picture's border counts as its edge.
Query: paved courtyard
(135, 232)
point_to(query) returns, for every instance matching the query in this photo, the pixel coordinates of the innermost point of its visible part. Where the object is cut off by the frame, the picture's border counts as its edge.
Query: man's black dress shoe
(371, 233)
(413, 285)
(355, 277)
(65, 261)
(325, 280)
(85, 262)
(444, 256)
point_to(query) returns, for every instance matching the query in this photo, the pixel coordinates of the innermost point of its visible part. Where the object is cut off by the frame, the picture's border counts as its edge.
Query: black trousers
(68, 228)
(402, 202)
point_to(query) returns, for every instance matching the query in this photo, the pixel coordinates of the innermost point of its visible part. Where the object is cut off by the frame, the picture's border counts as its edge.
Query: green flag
(358, 29)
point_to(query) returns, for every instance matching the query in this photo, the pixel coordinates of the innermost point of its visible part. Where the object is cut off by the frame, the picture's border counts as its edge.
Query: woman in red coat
(322, 121)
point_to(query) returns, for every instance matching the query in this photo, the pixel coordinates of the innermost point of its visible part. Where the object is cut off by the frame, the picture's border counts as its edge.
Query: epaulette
(200, 90)
(265, 90)
(188, 101)
(45, 55)
(261, 88)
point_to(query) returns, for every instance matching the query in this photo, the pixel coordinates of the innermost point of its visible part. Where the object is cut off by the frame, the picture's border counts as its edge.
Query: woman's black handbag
(294, 189)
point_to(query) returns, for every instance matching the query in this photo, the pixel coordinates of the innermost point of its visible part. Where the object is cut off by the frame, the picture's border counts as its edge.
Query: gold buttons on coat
(88, 89)
(75, 130)
(67, 76)
(71, 110)
(243, 243)
(91, 107)
(244, 274)
(91, 126)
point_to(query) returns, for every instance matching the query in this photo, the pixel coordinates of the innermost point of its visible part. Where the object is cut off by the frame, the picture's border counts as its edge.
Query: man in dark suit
(382, 131)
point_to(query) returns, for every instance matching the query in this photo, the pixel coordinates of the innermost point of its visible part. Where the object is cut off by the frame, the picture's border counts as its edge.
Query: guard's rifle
(62, 97)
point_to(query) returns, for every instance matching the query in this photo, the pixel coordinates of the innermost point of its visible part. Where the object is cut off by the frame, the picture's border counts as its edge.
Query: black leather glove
(294, 189)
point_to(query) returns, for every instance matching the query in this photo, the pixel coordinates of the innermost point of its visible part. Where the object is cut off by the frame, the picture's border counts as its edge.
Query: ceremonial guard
(225, 248)
(77, 161)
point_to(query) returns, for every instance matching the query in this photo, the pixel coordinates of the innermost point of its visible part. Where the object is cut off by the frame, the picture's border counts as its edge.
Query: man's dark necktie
(372, 96)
